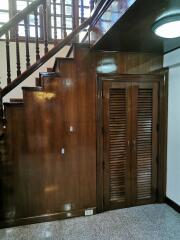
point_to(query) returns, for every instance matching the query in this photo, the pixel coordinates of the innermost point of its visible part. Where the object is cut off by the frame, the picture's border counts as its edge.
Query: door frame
(162, 78)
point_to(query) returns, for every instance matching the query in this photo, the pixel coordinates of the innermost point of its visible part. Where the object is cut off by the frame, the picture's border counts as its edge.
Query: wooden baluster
(82, 11)
(55, 21)
(36, 35)
(92, 3)
(75, 6)
(26, 26)
(8, 59)
(17, 52)
(63, 18)
(45, 27)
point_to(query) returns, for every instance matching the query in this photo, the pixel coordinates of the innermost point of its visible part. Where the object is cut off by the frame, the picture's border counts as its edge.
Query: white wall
(30, 81)
(172, 60)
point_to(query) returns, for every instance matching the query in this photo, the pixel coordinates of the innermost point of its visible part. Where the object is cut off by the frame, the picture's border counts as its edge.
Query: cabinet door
(116, 110)
(144, 142)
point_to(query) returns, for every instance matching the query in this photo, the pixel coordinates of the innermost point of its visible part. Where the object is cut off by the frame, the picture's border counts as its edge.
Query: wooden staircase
(45, 143)
(48, 138)
(37, 140)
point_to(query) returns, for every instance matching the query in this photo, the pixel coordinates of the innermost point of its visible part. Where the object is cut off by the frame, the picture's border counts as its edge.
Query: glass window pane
(58, 33)
(68, 2)
(85, 2)
(32, 20)
(69, 22)
(21, 31)
(68, 10)
(58, 21)
(4, 17)
(4, 5)
(58, 9)
(33, 33)
(20, 5)
(87, 12)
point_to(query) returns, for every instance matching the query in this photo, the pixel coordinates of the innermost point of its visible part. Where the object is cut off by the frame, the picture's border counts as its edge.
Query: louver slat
(144, 143)
(117, 144)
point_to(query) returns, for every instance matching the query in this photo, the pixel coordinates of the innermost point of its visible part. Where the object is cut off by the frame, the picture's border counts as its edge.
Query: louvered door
(144, 140)
(116, 144)
(130, 116)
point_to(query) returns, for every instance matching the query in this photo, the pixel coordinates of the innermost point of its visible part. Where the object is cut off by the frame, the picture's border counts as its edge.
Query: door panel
(146, 142)
(116, 147)
(130, 117)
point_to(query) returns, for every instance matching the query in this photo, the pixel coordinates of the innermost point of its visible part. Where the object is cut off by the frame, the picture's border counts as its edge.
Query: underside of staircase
(43, 136)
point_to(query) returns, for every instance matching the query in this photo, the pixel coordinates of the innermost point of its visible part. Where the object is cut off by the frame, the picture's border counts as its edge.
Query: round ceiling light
(167, 27)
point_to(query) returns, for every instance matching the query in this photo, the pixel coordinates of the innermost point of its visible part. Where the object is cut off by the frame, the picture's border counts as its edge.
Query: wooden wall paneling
(16, 165)
(85, 94)
(163, 119)
(66, 101)
(129, 63)
(57, 169)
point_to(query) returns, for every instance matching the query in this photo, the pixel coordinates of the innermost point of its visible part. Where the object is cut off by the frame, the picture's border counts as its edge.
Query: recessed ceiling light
(167, 27)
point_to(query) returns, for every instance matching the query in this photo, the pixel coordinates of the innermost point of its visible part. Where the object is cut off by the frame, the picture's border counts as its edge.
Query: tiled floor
(150, 222)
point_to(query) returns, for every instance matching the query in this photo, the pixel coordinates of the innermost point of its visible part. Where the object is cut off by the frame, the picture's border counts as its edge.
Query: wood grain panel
(146, 142)
(69, 100)
(116, 141)
(130, 140)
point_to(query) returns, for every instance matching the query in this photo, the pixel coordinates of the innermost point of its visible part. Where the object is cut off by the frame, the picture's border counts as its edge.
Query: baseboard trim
(43, 218)
(172, 204)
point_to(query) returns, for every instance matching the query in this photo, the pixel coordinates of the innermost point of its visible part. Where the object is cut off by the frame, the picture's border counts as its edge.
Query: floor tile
(149, 222)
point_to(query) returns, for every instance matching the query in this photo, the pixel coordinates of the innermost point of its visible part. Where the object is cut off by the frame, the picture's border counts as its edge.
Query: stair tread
(32, 88)
(64, 58)
(13, 104)
(50, 74)
(12, 100)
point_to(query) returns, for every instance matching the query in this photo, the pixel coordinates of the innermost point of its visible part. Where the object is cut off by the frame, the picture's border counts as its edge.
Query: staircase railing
(37, 8)
(12, 26)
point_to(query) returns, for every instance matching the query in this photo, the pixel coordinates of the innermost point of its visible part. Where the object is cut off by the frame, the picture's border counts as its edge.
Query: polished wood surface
(41, 7)
(55, 162)
(157, 183)
(130, 117)
(14, 168)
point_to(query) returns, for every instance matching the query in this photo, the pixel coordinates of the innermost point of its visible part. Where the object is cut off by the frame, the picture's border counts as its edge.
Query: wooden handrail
(99, 9)
(20, 16)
